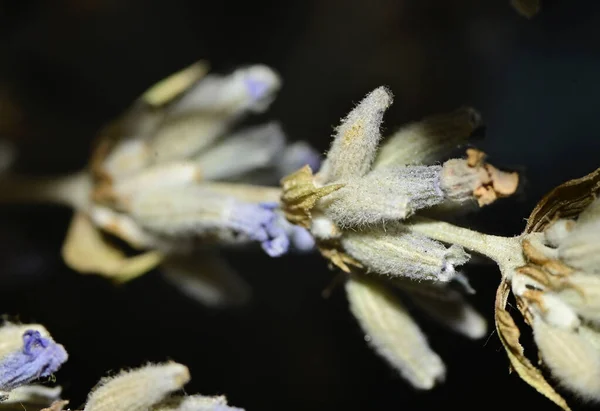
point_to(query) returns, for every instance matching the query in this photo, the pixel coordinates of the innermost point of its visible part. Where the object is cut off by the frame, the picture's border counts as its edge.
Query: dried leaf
(565, 201)
(169, 88)
(509, 336)
(338, 258)
(85, 250)
(300, 195)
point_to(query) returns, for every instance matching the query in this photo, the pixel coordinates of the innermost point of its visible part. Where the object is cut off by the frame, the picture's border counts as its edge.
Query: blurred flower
(556, 285)
(151, 388)
(27, 353)
(362, 209)
(174, 177)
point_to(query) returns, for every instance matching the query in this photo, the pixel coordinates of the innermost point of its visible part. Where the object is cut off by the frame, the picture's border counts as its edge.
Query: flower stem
(506, 251)
(70, 190)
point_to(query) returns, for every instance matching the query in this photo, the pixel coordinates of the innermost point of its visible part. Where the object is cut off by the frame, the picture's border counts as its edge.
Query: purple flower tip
(40, 357)
(260, 222)
(256, 88)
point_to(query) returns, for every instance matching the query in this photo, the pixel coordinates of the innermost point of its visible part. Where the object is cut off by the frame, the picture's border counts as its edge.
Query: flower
(151, 387)
(27, 353)
(556, 285)
(176, 176)
(362, 208)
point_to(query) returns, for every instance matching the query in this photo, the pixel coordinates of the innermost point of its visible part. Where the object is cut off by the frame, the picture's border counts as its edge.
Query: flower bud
(138, 390)
(38, 356)
(397, 252)
(428, 140)
(356, 139)
(393, 334)
(390, 193)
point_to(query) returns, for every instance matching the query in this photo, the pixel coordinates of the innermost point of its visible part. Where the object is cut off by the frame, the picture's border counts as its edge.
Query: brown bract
(566, 200)
(494, 183)
(300, 195)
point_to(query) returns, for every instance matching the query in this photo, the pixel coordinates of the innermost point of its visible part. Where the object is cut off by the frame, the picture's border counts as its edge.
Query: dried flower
(557, 289)
(361, 208)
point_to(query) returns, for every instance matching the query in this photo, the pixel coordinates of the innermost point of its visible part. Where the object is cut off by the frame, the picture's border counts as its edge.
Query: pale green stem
(71, 190)
(505, 251)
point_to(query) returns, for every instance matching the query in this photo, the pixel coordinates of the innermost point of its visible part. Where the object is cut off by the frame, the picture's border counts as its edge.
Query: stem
(71, 190)
(505, 251)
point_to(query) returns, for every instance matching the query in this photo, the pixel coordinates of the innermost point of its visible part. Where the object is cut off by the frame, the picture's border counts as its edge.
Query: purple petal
(255, 87)
(40, 357)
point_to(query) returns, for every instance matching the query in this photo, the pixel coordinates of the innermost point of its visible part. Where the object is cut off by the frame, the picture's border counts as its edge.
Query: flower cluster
(178, 174)
(363, 209)
(556, 284)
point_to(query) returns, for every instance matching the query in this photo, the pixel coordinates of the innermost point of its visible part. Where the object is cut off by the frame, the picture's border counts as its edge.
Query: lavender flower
(363, 209)
(27, 353)
(171, 178)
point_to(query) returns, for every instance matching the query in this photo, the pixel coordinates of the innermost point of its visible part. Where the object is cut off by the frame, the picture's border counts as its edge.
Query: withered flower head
(556, 284)
(365, 209)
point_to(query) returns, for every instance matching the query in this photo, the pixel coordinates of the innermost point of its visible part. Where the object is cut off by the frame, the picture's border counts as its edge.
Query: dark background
(67, 67)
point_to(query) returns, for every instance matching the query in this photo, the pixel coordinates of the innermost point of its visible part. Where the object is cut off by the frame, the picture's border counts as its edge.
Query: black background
(67, 67)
